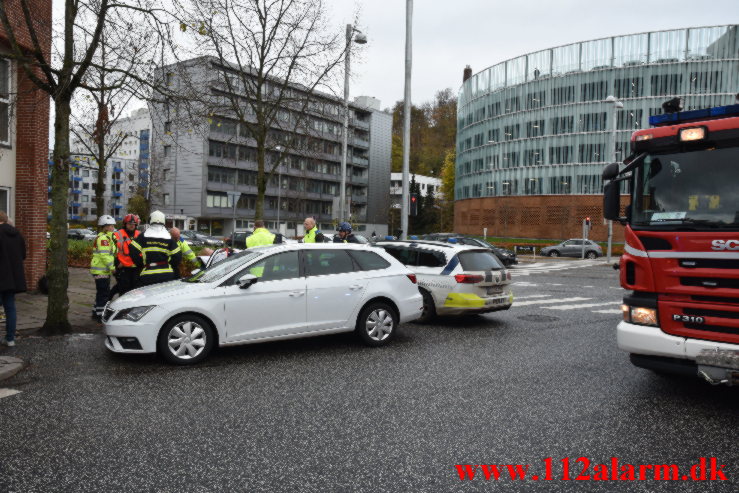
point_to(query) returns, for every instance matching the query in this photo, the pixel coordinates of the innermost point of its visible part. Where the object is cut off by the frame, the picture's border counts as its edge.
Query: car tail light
(412, 277)
(508, 275)
(468, 278)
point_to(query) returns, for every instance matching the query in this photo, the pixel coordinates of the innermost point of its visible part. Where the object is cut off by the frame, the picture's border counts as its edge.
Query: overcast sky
(449, 34)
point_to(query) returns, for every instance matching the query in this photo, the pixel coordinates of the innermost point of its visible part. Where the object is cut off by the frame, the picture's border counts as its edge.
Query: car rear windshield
(478, 261)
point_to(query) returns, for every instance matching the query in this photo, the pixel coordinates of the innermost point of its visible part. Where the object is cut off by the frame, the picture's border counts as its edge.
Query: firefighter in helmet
(156, 252)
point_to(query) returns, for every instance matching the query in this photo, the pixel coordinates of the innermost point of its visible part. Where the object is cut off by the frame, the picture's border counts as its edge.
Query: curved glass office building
(534, 132)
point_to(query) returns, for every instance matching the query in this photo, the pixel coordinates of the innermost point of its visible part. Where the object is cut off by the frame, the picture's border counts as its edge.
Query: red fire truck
(681, 257)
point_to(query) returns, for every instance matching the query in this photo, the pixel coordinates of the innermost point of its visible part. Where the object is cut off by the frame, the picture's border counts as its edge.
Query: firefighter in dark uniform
(345, 234)
(126, 272)
(156, 253)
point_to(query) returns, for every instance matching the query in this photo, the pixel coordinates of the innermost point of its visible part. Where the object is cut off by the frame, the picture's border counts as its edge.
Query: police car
(454, 279)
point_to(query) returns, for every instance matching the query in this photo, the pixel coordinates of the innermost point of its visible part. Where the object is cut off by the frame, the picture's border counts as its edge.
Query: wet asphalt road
(327, 414)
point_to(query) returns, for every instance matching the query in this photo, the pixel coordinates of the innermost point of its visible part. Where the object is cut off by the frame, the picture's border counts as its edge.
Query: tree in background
(448, 175)
(433, 133)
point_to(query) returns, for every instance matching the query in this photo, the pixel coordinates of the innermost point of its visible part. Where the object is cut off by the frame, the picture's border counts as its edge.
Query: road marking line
(570, 307)
(531, 296)
(613, 311)
(8, 392)
(542, 302)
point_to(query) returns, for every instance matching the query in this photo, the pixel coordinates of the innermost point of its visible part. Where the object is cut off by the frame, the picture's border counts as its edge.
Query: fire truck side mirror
(610, 172)
(611, 201)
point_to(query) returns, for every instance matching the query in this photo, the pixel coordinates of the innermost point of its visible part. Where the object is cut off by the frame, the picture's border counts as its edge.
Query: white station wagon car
(454, 279)
(264, 294)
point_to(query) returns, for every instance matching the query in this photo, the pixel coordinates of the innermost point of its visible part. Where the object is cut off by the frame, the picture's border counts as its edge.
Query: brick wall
(535, 216)
(32, 141)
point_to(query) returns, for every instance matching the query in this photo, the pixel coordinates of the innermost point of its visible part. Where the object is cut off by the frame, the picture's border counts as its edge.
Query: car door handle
(354, 287)
(295, 294)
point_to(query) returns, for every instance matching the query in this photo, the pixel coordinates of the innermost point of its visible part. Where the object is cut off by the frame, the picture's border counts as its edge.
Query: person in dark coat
(12, 278)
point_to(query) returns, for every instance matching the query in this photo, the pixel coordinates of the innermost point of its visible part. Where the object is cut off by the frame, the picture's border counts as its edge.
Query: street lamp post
(407, 119)
(359, 39)
(617, 105)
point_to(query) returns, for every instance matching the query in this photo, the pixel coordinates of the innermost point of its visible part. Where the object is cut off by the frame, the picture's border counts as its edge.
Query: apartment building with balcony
(208, 168)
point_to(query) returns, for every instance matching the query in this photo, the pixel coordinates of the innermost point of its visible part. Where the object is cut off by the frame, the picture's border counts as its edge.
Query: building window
(562, 125)
(592, 122)
(535, 100)
(705, 82)
(4, 101)
(165, 199)
(563, 95)
(593, 91)
(167, 150)
(167, 127)
(512, 132)
(632, 87)
(535, 128)
(629, 119)
(493, 135)
(668, 84)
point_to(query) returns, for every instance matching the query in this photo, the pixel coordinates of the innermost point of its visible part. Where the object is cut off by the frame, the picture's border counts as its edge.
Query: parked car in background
(202, 238)
(573, 248)
(506, 257)
(81, 234)
(237, 239)
(265, 294)
(191, 237)
(454, 279)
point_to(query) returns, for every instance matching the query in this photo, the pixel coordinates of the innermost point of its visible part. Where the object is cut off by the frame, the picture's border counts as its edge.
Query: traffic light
(587, 223)
(414, 204)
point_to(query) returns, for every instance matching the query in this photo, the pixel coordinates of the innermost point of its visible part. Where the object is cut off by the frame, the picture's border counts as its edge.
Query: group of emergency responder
(154, 256)
(135, 258)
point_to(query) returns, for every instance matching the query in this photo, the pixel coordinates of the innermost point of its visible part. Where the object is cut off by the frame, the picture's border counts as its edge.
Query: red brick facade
(535, 216)
(32, 141)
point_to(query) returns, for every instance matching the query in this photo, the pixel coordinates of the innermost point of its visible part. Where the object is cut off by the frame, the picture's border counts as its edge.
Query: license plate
(495, 301)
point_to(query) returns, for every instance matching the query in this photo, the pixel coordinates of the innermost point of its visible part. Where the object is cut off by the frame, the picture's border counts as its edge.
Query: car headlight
(133, 314)
(639, 315)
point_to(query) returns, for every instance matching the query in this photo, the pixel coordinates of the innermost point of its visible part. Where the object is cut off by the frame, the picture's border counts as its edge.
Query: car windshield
(687, 190)
(478, 261)
(224, 267)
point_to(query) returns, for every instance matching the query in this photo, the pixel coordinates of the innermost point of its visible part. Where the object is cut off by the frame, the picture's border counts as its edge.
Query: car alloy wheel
(591, 255)
(185, 340)
(554, 253)
(376, 324)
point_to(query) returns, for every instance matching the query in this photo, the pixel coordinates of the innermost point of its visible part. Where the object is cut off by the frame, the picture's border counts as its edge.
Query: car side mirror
(246, 280)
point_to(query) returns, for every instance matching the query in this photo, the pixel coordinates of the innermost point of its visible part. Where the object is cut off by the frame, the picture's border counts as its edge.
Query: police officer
(156, 252)
(187, 254)
(312, 233)
(102, 264)
(126, 272)
(260, 237)
(345, 234)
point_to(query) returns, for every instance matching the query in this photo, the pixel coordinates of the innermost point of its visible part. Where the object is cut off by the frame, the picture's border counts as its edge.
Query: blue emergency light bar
(695, 115)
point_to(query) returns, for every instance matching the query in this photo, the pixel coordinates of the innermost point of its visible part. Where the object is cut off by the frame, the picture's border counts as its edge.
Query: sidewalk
(31, 307)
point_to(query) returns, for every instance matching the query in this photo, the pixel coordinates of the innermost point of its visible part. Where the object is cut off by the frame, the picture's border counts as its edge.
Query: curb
(9, 366)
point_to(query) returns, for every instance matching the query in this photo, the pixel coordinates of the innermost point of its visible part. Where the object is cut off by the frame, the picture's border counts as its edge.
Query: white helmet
(105, 220)
(157, 217)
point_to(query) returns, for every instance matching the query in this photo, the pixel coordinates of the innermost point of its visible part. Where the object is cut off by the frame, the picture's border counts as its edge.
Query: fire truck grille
(713, 328)
(710, 282)
(708, 263)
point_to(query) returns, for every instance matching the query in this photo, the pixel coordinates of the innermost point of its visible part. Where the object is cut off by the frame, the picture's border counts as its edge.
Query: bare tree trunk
(57, 273)
(261, 182)
(100, 185)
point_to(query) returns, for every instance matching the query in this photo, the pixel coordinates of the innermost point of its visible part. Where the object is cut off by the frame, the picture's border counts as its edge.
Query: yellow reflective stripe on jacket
(156, 249)
(160, 270)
